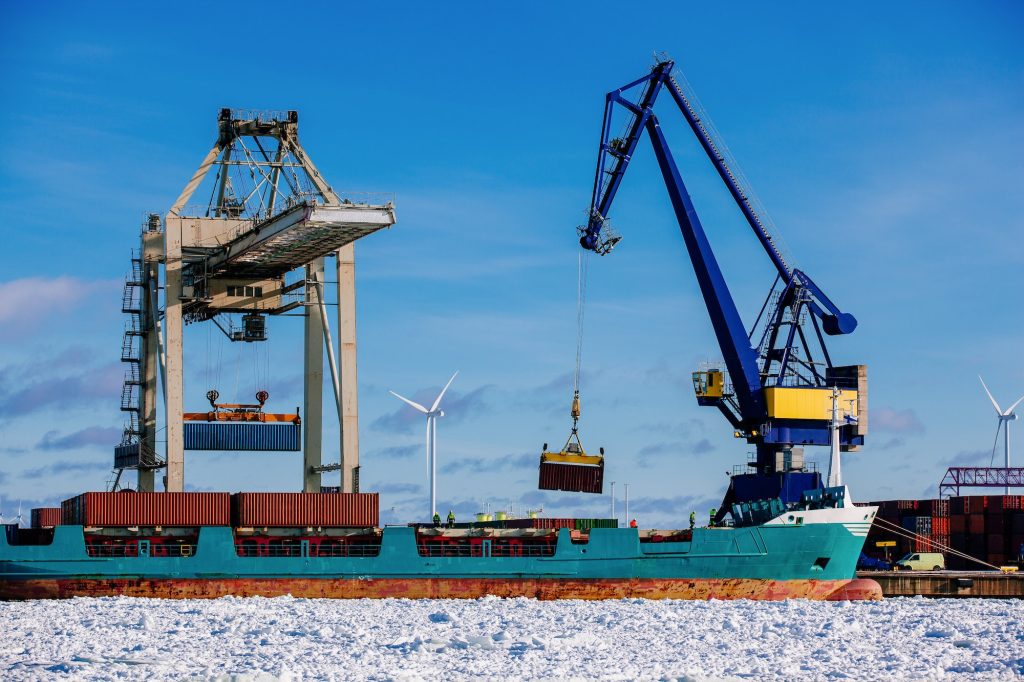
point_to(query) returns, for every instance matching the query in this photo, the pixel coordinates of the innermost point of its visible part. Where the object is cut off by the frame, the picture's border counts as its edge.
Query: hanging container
(576, 478)
(242, 436)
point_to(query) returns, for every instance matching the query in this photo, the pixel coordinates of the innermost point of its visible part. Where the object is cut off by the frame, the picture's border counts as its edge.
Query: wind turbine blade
(441, 394)
(995, 443)
(999, 410)
(409, 402)
(1011, 408)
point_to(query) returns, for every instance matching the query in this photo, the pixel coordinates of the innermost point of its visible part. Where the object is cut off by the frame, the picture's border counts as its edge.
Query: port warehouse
(987, 527)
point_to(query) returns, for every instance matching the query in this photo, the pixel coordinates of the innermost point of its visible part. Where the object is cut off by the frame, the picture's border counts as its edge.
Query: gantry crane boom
(764, 395)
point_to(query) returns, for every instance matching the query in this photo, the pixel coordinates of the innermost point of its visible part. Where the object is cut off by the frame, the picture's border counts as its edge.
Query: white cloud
(891, 420)
(28, 300)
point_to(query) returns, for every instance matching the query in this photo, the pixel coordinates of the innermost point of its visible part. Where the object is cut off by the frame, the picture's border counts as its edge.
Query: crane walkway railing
(732, 168)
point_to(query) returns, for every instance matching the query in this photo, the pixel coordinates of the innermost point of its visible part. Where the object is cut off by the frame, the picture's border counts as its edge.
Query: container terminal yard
(270, 238)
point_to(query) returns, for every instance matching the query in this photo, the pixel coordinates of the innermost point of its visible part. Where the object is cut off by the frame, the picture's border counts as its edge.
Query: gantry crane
(778, 386)
(270, 213)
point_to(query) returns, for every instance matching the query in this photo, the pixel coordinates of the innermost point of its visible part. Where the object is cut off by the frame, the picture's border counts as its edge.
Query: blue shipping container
(242, 436)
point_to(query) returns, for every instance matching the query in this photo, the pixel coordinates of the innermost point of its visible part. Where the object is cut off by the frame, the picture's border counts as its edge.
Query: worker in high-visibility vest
(714, 511)
(693, 519)
(437, 519)
(451, 519)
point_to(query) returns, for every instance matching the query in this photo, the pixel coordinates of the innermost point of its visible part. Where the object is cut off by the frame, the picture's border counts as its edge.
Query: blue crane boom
(774, 391)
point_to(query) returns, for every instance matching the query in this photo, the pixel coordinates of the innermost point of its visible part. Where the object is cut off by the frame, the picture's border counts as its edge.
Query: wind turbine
(1005, 417)
(432, 414)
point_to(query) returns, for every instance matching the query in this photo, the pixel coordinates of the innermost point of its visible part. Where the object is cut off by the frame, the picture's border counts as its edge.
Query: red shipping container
(575, 478)
(995, 525)
(290, 510)
(976, 524)
(46, 517)
(996, 544)
(147, 509)
(973, 504)
(999, 503)
(906, 504)
(958, 523)
(934, 508)
(554, 523)
(887, 512)
(940, 525)
(998, 558)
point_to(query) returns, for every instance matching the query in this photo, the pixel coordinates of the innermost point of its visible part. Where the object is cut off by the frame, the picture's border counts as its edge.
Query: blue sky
(885, 140)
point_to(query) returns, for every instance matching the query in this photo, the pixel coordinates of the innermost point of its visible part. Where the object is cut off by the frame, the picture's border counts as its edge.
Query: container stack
(902, 513)
(931, 525)
(125, 509)
(927, 520)
(989, 527)
(278, 510)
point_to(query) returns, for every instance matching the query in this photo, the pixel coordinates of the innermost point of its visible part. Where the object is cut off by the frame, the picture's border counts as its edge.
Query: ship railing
(112, 550)
(346, 550)
(296, 550)
(132, 550)
(442, 550)
(522, 550)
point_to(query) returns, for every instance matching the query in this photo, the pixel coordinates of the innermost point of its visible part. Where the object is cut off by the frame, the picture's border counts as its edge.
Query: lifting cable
(581, 300)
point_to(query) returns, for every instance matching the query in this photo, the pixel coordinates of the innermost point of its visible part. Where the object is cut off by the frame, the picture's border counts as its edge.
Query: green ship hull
(810, 553)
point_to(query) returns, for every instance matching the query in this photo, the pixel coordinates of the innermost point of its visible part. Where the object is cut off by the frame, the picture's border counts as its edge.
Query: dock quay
(970, 584)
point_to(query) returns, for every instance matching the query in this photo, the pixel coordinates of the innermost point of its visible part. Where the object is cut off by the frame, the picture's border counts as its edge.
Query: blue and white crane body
(779, 384)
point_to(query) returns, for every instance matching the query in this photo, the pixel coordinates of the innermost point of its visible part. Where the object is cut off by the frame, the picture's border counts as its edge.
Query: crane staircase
(130, 454)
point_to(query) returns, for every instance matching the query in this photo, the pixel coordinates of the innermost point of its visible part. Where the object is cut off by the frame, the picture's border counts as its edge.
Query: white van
(921, 561)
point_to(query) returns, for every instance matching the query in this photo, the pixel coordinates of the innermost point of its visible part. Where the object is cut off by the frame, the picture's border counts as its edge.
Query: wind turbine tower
(432, 414)
(1005, 417)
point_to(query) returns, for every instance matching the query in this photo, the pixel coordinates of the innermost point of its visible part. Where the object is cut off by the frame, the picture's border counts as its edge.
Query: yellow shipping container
(807, 403)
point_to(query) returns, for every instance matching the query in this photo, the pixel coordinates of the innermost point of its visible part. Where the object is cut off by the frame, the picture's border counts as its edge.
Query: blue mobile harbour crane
(779, 388)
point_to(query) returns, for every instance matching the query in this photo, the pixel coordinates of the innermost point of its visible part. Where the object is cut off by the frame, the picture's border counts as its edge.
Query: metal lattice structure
(979, 477)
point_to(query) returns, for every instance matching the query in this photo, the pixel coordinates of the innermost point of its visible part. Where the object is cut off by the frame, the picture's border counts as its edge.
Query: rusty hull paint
(445, 588)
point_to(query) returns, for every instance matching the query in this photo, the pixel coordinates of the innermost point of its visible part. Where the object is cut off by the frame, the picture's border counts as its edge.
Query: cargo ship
(206, 545)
